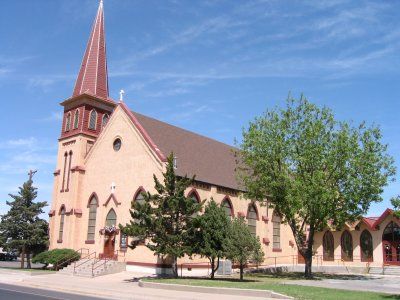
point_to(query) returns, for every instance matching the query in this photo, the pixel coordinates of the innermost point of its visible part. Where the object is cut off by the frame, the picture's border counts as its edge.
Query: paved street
(114, 286)
(15, 292)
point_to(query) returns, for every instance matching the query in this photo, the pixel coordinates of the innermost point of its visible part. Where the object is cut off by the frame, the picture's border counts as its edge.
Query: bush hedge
(57, 257)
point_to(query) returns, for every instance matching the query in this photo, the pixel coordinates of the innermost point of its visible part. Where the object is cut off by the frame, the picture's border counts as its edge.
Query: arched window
(61, 229)
(252, 219)
(347, 246)
(92, 218)
(139, 196)
(328, 246)
(76, 119)
(227, 206)
(111, 219)
(366, 246)
(276, 231)
(68, 122)
(104, 120)
(92, 119)
(195, 198)
(391, 233)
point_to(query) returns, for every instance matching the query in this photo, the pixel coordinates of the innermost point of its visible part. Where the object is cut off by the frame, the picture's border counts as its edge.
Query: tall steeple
(93, 77)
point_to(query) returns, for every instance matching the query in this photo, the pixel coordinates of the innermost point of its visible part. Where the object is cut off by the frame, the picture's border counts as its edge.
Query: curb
(213, 290)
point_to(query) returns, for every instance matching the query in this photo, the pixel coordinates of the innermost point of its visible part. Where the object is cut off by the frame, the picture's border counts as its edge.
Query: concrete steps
(387, 270)
(93, 268)
(392, 270)
(375, 271)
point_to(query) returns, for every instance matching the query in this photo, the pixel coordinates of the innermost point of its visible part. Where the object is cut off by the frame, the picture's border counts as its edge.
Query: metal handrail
(68, 258)
(95, 262)
(85, 262)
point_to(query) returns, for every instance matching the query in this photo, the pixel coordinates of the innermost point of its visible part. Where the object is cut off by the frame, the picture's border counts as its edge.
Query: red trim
(78, 211)
(52, 213)
(276, 250)
(226, 198)
(266, 241)
(291, 243)
(59, 241)
(78, 169)
(138, 191)
(90, 198)
(56, 172)
(143, 132)
(112, 196)
(387, 212)
(265, 219)
(194, 192)
(89, 242)
(256, 209)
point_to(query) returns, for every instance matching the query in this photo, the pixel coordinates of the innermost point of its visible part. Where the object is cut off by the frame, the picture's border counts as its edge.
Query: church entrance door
(391, 244)
(109, 246)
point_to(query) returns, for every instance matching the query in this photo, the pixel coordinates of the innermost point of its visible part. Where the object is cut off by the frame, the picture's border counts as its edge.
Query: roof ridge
(189, 131)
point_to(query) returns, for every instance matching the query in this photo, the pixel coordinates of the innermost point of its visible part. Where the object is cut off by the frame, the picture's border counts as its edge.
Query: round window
(117, 144)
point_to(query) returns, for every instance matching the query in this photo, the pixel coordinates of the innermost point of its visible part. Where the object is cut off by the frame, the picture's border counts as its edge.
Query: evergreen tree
(163, 219)
(242, 246)
(21, 228)
(209, 234)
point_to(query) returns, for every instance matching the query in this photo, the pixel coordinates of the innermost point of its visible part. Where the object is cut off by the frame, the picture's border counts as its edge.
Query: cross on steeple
(31, 173)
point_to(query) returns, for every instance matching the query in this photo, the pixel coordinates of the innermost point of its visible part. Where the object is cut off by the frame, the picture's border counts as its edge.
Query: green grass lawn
(276, 284)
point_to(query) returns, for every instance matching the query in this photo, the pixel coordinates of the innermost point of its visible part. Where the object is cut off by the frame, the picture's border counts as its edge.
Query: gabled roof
(211, 161)
(93, 77)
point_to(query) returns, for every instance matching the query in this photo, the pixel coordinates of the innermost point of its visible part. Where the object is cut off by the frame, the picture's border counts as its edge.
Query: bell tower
(86, 113)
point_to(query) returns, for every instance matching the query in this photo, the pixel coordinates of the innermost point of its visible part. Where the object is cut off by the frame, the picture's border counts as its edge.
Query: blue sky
(207, 66)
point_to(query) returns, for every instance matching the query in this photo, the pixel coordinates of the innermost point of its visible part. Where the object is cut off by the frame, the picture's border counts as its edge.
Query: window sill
(59, 241)
(276, 250)
(89, 242)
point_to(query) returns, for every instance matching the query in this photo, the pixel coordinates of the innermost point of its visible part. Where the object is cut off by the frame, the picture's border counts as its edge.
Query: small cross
(31, 173)
(121, 95)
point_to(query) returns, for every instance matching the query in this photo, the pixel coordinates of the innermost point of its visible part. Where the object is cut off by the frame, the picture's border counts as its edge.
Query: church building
(107, 155)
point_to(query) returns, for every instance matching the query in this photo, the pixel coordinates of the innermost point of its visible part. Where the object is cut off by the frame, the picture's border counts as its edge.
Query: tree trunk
(175, 267)
(214, 267)
(309, 254)
(212, 262)
(28, 261)
(241, 271)
(23, 257)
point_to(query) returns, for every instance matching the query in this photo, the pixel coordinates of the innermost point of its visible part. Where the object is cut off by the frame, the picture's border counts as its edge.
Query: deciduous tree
(241, 246)
(313, 169)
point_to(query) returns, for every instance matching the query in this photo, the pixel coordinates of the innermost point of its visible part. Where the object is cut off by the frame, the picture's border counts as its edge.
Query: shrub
(57, 257)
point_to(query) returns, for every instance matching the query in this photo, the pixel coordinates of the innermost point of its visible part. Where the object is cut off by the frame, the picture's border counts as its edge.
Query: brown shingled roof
(211, 161)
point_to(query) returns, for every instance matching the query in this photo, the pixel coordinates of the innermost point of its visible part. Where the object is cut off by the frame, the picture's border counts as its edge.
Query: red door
(109, 246)
(391, 252)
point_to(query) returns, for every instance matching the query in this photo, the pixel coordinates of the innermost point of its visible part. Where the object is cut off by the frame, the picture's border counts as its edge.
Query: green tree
(21, 227)
(209, 234)
(163, 219)
(313, 169)
(396, 205)
(241, 246)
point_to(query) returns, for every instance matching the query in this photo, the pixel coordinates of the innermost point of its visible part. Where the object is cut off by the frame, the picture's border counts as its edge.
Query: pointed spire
(93, 77)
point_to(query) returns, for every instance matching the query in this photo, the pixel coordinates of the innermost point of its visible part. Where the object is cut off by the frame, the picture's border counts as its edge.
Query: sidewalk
(114, 286)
